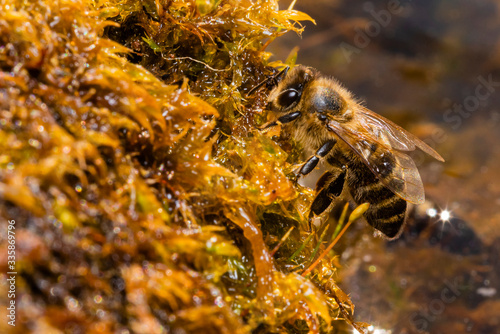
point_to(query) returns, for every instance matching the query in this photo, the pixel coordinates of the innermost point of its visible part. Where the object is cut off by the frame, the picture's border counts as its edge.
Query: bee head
(287, 95)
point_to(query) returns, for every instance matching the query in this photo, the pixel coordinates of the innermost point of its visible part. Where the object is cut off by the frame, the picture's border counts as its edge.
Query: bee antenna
(274, 80)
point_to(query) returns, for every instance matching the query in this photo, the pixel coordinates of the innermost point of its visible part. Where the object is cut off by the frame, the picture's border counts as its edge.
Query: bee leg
(329, 187)
(283, 119)
(312, 162)
(289, 117)
(322, 200)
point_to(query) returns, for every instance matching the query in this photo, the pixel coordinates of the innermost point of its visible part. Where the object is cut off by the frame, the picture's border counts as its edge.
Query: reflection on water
(433, 67)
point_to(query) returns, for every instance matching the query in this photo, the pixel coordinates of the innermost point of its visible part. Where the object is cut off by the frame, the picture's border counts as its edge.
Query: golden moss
(145, 200)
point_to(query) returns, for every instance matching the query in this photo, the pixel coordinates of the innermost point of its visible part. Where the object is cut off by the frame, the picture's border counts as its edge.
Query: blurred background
(434, 68)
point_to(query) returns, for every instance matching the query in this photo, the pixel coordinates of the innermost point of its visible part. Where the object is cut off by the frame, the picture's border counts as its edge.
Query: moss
(130, 162)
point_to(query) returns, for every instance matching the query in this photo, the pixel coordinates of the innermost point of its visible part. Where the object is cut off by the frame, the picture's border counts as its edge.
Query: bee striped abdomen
(387, 210)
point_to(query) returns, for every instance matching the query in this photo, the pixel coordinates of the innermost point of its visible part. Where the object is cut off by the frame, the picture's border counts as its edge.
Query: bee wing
(379, 142)
(397, 137)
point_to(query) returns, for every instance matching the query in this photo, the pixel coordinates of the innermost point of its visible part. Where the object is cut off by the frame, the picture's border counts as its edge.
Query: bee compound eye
(288, 97)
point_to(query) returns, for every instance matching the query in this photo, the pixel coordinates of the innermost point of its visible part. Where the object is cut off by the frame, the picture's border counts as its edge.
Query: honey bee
(365, 151)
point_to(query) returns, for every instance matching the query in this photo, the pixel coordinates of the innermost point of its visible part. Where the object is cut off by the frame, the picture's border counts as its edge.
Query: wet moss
(145, 199)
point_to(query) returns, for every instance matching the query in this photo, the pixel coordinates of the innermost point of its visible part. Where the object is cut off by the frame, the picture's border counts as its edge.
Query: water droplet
(432, 212)
(97, 299)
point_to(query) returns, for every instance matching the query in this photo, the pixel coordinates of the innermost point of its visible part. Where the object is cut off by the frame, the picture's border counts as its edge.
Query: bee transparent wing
(397, 137)
(379, 142)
